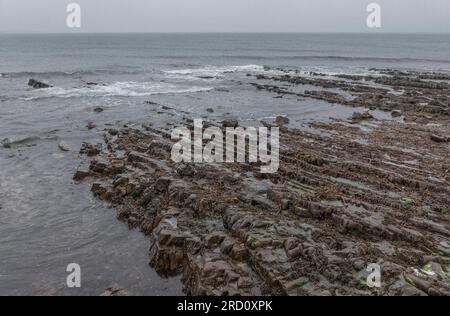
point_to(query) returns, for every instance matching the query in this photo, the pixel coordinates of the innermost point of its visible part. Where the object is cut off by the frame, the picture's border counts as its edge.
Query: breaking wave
(214, 71)
(119, 89)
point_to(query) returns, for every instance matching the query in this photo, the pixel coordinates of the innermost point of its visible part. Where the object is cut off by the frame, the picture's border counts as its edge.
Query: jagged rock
(90, 149)
(113, 132)
(215, 239)
(162, 184)
(230, 123)
(396, 113)
(115, 291)
(81, 175)
(63, 146)
(312, 228)
(26, 142)
(439, 139)
(281, 120)
(211, 275)
(99, 190)
(38, 84)
(6, 143)
(91, 125)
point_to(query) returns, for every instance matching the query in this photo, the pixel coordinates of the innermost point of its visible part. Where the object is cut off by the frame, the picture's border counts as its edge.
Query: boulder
(81, 175)
(396, 113)
(6, 143)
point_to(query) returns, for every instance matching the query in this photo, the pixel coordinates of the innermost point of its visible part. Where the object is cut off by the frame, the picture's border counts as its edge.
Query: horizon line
(375, 32)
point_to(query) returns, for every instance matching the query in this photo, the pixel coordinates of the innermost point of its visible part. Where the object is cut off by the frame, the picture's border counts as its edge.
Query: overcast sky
(224, 15)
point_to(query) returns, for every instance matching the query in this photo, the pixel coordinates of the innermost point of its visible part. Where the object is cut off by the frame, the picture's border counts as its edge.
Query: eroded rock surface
(350, 194)
(334, 207)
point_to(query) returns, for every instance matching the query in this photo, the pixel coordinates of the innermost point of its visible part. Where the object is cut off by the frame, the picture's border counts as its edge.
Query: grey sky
(224, 15)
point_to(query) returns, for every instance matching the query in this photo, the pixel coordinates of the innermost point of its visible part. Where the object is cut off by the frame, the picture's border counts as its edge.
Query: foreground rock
(334, 207)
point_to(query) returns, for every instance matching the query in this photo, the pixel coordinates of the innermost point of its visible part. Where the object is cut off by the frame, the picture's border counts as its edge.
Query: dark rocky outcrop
(38, 84)
(334, 207)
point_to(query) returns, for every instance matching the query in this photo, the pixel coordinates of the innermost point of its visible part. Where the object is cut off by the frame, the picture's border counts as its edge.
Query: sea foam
(119, 89)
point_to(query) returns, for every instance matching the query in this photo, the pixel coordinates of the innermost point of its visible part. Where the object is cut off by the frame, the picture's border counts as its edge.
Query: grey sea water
(47, 221)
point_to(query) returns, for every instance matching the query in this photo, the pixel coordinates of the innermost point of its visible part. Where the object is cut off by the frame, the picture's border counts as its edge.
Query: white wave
(214, 71)
(118, 89)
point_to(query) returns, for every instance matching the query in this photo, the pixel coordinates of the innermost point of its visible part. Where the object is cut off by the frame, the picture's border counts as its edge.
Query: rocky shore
(348, 193)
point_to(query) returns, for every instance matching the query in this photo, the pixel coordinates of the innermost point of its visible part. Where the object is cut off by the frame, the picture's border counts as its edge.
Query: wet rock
(81, 175)
(63, 146)
(396, 113)
(90, 149)
(98, 167)
(230, 123)
(212, 275)
(6, 143)
(38, 84)
(91, 125)
(100, 191)
(239, 252)
(215, 239)
(162, 184)
(98, 109)
(439, 139)
(115, 291)
(103, 168)
(264, 203)
(167, 247)
(90, 83)
(113, 132)
(268, 124)
(359, 117)
(210, 110)
(24, 142)
(281, 120)
(312, 228)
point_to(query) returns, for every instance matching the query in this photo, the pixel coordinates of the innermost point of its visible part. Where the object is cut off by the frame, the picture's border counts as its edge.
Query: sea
(47, 221)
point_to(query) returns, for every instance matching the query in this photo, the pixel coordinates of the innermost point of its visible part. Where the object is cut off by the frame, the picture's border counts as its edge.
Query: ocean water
(47, 221)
